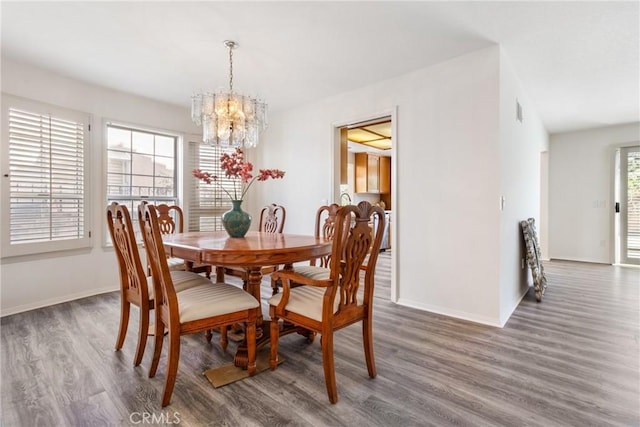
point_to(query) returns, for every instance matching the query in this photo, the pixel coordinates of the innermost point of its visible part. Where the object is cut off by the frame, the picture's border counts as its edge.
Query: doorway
(365, 158)
(627, 205)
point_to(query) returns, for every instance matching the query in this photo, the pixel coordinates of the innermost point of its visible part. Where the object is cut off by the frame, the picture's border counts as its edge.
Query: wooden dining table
(252, 252)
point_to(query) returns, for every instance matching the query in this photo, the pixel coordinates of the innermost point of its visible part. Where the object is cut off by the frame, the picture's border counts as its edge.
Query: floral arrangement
(235, 167)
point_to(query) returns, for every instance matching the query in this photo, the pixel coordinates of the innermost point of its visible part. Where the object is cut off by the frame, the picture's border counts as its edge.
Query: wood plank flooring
(572, 360)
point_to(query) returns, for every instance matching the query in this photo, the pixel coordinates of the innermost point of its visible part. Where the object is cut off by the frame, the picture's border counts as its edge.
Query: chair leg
(143, 332)
(125, 308)
(219, 274)
(172, 365)
(328, 365)
(157, 347)
(208, 334)
(224, 341)
(367, 339)
(274, 335)
(274, 286)
(250, 338)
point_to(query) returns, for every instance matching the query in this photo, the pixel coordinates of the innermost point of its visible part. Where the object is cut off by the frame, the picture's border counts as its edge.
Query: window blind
(207, 202)
(47, 182)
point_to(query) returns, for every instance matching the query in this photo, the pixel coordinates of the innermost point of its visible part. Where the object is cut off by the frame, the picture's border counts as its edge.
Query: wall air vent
(518, 111)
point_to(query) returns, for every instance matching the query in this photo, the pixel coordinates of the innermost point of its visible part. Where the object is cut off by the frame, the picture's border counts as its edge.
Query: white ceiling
(578, 61)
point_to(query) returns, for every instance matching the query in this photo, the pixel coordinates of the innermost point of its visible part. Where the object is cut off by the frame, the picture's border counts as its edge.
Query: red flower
(204, 176)
(270, 173)
(236, 168)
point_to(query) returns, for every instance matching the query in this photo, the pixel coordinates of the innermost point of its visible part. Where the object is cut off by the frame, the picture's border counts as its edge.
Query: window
(45, 159)
(141, 165)
(207, 202)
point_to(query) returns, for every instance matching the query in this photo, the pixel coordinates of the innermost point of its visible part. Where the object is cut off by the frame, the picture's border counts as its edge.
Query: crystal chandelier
(227, 118)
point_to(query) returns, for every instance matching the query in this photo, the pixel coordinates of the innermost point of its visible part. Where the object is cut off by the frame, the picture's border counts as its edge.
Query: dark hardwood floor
(571, 360)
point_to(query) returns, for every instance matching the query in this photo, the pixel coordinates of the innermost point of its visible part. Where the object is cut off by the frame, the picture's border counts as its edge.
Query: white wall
(35, 281)
(581, 192)
(447, 177)
(544, 203)
(521, 144)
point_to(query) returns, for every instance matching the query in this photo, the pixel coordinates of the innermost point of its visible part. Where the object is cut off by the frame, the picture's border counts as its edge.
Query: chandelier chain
(231, 69)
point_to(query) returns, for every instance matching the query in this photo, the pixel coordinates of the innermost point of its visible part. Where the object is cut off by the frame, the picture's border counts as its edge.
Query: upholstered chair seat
(313, 272)
(181, 280)
(306, 301)
(207, 301)
(176, 264)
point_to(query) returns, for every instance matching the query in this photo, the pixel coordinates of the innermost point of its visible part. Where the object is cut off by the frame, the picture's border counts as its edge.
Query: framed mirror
(533, 257)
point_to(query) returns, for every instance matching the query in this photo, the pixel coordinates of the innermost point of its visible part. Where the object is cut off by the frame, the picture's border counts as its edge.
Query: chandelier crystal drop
(228, 118)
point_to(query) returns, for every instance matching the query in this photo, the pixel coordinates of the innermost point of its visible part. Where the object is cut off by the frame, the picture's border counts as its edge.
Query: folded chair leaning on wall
(328, 304)
(197, 309)
(135, 287)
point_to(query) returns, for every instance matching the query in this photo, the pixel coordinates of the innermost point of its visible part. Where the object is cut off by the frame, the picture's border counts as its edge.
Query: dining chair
(171, 220)
(135, 287)
(318, 268)
(328, 304)
(272, 219)
(197, 309)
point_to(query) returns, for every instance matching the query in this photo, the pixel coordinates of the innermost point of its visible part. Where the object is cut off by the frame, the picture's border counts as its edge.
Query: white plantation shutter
(45, 178)
(207, 202)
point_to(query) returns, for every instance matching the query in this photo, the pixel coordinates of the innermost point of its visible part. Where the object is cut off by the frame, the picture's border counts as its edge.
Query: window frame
(133, 201)
(61, 113)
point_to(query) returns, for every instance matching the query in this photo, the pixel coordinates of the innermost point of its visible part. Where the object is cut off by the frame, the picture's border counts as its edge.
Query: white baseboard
(53, 301)
(627, 265)
(451, 313)
(504, 322)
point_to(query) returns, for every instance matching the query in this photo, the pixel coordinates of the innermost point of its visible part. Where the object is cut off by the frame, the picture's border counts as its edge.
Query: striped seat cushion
(306, 301)
(210, 300)
(181, 280)
(175, 263)
(313, 272)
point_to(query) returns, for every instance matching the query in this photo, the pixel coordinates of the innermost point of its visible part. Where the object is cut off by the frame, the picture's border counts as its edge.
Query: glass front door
(628, 206)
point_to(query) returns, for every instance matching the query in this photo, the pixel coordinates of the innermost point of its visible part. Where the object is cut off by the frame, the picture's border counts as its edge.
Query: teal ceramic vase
(236, 221)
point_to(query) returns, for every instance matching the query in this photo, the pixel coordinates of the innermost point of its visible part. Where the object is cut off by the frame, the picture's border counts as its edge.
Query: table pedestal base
(254, 283)
(263, 337)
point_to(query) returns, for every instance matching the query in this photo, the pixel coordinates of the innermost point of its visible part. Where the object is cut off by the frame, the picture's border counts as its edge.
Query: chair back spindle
(353, 242)
(325, 227)
(170, 218)
(132, 277)
(157, 258)
(171, 221)
(272, 218)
